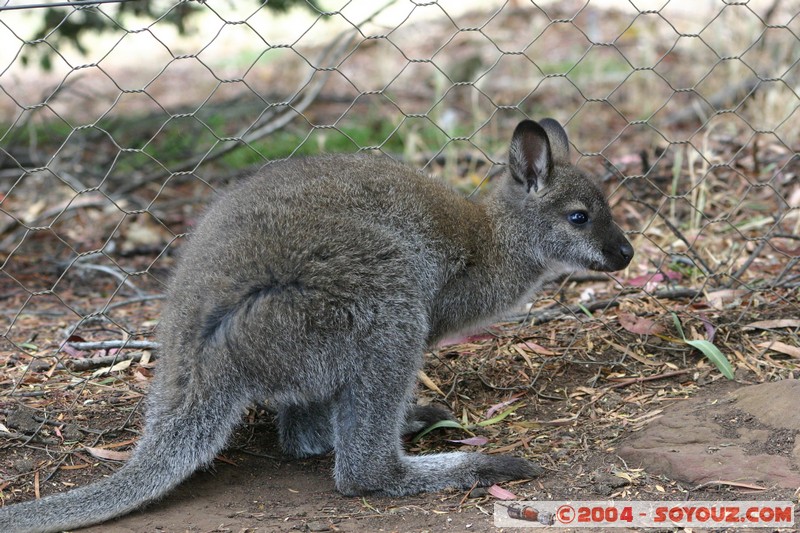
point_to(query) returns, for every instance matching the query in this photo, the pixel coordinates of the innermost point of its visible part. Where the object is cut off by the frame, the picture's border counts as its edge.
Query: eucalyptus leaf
(585, 310)
(498, 418)
(709, 350)
(437, 425)
(714, 355)
(678, 326)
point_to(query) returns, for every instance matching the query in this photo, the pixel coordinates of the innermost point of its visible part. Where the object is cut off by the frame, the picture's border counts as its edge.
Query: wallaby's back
(372, 235)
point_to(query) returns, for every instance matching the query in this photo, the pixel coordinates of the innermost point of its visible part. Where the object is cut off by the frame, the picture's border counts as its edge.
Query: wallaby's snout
(626, 251)
(618, 256)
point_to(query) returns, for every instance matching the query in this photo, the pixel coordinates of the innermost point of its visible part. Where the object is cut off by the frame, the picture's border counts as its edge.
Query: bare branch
(107, 345)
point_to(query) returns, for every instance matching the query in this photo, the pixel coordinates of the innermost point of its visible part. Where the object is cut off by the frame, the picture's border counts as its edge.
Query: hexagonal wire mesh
(687, 113)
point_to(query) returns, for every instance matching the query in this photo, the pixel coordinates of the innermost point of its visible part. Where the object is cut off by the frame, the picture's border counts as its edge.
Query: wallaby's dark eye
(579, 218)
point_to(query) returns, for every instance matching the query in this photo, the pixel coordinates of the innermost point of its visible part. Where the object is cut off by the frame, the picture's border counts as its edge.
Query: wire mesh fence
(111, 143)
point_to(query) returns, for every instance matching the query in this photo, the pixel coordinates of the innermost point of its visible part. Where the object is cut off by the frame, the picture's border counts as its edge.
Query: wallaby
(317, 285)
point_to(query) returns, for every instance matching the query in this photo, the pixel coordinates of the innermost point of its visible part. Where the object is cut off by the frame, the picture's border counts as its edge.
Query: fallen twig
(28, 438)
(107, 345)
(690, 249)
(623, 382)
(753, 255)
(546, 315)
(86, 364)
(122, 277)
(729, 484)
(136, 300)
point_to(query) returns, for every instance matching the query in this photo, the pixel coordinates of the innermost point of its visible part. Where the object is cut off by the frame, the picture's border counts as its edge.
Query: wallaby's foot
(421, 416)
(491, 469)
(434, 472)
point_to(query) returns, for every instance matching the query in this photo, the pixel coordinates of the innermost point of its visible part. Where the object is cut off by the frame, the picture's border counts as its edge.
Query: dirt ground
(580, 387)
(262, 494)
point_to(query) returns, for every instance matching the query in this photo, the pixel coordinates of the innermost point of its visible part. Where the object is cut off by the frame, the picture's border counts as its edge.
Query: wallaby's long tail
(176, 442)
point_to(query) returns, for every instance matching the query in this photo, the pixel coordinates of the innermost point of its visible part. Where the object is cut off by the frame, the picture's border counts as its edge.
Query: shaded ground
(572, 416)
(268, 495)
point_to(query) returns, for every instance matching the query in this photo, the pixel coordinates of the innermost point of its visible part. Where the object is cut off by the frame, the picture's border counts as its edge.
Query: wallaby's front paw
(490, 469)
(421, 416)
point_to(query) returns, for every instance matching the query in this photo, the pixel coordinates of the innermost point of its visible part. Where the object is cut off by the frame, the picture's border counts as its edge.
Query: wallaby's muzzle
(617, 256)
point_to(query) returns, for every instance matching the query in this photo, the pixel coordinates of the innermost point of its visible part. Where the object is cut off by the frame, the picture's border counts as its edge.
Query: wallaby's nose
(626, 250)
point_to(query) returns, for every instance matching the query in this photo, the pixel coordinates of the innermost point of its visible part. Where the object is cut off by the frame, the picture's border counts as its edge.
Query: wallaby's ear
(559, 144)
(529, 157)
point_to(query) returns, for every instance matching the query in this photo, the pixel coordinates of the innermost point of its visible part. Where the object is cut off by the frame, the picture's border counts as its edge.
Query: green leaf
(585, 310)
(437, 425)
(714, 355)
(501, 416)
(678, 326)
(709, 350)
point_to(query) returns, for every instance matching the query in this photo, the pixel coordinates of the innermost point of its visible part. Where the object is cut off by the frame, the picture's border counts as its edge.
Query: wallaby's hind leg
(369, 417)
(305, 430)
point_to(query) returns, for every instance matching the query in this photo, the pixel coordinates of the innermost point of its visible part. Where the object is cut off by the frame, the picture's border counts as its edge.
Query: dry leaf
(775, 324)
(122, 365)
(726, 298)
(730, 483)
(501, 493)
(428, 382)
(522, 353)
(142, 374)
(109, 455)
(533, 347)
(496, 407)
(624, 475)
(654, 278)
(450, 341)
(72, 352)
(786, 349)
(639, 325)
(631, 353)
(472, 441)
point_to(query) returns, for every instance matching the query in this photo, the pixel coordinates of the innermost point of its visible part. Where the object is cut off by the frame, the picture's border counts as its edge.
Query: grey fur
(317, 285)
